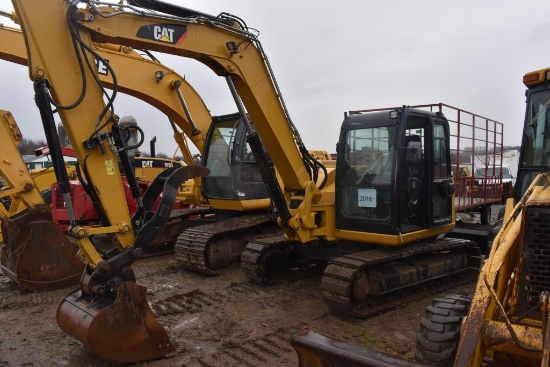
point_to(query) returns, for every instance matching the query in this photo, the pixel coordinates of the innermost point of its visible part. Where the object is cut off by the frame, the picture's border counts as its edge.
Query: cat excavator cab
(402, 193)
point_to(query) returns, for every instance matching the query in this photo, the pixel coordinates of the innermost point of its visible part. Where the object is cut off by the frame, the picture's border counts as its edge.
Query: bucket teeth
(123, 330)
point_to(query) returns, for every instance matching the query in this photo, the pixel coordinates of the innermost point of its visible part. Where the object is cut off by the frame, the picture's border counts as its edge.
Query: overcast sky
(330, 57)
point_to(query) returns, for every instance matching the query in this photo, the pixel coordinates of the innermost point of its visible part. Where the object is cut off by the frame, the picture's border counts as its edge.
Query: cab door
(442, 186)
(424, 184)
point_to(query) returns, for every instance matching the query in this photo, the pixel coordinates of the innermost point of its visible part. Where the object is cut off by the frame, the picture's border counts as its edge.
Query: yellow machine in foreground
(508, 322)
(376, 218)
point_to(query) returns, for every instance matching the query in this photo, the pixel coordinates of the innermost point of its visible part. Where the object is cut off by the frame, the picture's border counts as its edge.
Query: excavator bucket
(315, 350)
(37, 254)
(117, 324)
(123, 331)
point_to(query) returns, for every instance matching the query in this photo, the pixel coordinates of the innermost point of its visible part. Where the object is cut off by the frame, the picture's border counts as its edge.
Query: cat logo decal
(167, 33)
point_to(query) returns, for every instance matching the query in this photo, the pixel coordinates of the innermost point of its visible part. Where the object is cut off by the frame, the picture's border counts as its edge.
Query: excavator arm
(227, 47)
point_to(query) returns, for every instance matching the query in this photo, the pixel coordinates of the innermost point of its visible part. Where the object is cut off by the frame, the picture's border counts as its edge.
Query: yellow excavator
(378, 217)
(506, 323)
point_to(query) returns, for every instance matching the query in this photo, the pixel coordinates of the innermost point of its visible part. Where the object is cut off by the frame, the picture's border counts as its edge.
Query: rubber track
(339, 274)
(192, 245)
(253, 258)
(164, 243)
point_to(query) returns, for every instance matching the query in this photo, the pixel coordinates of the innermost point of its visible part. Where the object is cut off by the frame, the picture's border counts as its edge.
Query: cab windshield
(536, 140)
(367, 174)
(537, 130)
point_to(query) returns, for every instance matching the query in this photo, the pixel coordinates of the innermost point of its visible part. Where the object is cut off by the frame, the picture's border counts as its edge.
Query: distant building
(44, 161)
(34, 162)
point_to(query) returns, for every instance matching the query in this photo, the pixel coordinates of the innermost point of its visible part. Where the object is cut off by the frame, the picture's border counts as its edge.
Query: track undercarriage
(363, 283)
(210, 247)
(178, 222)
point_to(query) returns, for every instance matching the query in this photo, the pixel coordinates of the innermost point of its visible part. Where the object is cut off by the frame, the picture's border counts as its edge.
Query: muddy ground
(213, 321)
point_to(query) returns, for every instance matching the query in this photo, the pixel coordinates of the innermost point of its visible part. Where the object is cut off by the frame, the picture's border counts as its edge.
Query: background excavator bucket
(123, 330)
(315, 350)
(37, 254)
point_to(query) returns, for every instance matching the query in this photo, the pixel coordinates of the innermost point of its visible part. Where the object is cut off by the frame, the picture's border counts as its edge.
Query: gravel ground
(213, 321)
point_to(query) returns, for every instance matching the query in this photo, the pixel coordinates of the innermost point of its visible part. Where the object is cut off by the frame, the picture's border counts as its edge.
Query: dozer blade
(123, 330)
(37, 254)
(315, 350)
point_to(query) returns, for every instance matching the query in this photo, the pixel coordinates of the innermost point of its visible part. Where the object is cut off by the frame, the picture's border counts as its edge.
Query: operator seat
(412, 157)
(411, 179)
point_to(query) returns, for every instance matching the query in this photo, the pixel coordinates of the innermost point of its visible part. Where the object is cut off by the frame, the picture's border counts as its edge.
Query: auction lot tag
(366, 198)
